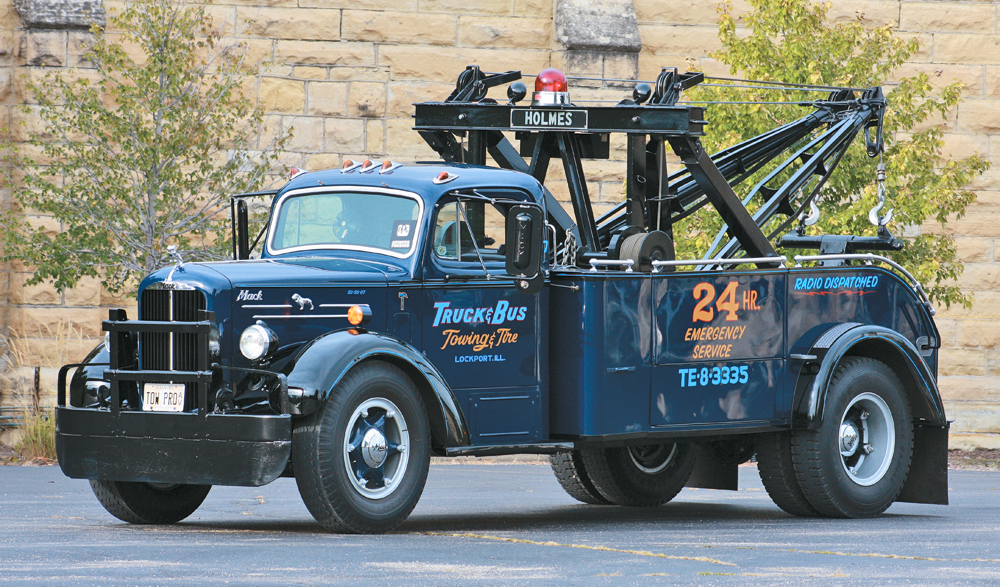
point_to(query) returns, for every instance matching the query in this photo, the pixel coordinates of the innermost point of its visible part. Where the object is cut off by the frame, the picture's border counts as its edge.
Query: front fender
(323, 362)
(879, 343)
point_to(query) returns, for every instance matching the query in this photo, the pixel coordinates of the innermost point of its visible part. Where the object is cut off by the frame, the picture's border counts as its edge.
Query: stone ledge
(973, 441)
(597, 25)
(60, 14)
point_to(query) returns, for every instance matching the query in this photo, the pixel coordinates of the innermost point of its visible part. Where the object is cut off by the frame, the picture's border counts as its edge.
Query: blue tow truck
(390, 312)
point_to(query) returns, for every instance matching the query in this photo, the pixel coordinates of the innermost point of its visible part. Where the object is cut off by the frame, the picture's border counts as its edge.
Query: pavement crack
(582, 546)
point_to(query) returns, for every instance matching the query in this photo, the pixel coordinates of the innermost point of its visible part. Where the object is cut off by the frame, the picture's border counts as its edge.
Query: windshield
(361, 220)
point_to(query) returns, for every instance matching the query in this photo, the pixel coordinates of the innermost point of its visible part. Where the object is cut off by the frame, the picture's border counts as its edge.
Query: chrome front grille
(163, 351)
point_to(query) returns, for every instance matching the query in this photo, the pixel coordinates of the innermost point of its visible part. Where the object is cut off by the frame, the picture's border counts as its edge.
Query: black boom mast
(468, 125)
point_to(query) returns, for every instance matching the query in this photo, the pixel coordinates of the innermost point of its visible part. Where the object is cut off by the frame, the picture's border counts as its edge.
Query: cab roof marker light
(551, 89)
(388, 167)
(295, 172)
(349, 166)
(367, 166)
(445, 177)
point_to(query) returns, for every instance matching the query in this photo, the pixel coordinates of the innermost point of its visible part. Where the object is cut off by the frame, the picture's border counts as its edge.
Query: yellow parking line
(899, 556)
(583, 546)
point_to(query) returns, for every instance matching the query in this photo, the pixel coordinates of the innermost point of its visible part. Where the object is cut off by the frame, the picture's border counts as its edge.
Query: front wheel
(647, 475)
(361, 462)
(149, 503)
(855, 465)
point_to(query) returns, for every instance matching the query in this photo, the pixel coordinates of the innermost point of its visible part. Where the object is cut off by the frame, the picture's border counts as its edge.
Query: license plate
(163, 397)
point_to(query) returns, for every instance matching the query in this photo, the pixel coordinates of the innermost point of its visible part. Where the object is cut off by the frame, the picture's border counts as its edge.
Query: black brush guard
(169, 447)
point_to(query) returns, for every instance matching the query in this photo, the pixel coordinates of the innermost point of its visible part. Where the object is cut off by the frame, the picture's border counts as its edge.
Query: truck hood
(303, 271)
(212, 278)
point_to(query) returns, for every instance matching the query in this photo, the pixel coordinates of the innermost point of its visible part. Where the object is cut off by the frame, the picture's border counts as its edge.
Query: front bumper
(214, 449)
(196, 447)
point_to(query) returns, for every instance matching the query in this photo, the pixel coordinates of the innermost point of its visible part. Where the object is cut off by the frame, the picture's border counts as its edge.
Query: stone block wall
(346, 74)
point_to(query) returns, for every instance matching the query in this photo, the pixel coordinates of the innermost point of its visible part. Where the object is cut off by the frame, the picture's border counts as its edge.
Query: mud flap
(711, 473)
(927, 481)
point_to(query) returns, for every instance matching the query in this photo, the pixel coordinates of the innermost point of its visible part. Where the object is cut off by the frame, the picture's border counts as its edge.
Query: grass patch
(38, 443)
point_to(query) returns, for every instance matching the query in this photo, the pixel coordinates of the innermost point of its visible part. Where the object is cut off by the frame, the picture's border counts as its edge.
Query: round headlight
(257, 342)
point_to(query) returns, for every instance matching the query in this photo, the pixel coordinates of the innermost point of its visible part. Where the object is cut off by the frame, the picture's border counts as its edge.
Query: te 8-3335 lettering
(705, 376)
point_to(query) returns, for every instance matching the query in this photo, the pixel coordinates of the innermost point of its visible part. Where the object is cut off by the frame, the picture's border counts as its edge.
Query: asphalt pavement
(492, 525)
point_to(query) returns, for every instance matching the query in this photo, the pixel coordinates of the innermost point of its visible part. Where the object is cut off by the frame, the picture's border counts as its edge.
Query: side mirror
(242, 230)
(524, 246)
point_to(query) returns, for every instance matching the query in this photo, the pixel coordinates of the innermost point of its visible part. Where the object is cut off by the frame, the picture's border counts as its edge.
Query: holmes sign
(555, 119)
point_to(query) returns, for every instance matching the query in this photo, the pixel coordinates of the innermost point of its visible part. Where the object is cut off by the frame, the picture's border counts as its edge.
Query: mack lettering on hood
(248, 296)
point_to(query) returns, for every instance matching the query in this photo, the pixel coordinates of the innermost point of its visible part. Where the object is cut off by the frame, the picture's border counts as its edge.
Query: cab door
(479, 330)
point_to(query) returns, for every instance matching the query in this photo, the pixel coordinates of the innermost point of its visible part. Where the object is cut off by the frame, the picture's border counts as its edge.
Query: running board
(542, 448)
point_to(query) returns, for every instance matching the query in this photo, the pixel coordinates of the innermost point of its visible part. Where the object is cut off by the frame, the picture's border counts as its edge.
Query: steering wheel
(344, 223)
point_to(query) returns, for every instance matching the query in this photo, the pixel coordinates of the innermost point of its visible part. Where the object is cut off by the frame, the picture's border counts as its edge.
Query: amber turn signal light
(358, 315)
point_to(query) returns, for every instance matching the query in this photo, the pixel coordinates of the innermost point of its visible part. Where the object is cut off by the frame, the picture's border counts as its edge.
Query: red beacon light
(551, 89)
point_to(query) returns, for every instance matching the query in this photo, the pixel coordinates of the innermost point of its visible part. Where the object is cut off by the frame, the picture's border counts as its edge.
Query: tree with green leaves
(792, 41)
(141, 152)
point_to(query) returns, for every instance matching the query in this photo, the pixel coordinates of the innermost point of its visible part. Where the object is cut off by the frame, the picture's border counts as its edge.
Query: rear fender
(322, 363)
(876, 342)
(927, 481)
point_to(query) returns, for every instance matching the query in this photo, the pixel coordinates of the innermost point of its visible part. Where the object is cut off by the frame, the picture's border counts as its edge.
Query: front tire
(642, 476)
(361, 462)
(855, 465)
(149, 503)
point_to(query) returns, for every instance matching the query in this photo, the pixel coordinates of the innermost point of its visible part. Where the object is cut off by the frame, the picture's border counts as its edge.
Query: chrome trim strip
(267, 306)
(710, 262)
(170, 285)
(277, 316)
(340, 305)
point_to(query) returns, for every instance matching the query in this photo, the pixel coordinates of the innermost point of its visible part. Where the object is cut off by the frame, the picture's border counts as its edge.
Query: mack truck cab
(392, 312)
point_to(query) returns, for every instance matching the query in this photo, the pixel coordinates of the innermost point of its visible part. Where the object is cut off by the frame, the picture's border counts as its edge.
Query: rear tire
(855, 465)
(643, 476)
(774, 464)
(572, 476)
(148, 503)
(361, 462)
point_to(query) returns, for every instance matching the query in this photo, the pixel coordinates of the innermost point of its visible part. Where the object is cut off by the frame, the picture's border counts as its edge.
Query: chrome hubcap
(375, 448)
(848, 438)
(652, 458)
(867, 439)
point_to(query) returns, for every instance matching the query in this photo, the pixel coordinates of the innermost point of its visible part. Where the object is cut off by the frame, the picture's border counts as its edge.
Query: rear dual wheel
(648, 475)
(856, 463)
